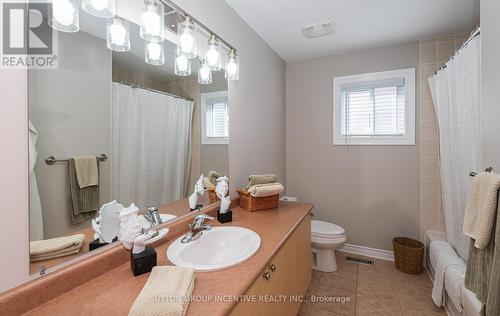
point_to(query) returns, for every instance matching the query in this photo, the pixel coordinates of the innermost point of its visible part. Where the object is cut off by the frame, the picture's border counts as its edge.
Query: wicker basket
(251, 203)
(212, 196)
(408, 255)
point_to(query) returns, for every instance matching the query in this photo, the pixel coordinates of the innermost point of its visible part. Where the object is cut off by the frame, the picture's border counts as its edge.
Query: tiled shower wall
(434, 53)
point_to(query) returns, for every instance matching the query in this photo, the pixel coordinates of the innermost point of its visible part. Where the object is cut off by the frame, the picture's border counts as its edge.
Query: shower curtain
(151, 146)
(456, 95)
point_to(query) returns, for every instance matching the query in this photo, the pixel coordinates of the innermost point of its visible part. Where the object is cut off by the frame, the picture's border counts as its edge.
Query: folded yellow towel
(167, 292)
(267, 189)
(207, 184)
(481, 208)
(87, 172)
(55, 247)
(260, 179)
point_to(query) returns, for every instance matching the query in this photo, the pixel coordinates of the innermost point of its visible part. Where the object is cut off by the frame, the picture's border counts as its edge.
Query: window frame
(410, 99)
(203, 100)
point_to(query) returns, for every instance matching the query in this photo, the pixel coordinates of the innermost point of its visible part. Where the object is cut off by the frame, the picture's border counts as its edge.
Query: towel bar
(489, 169)
(51, 160)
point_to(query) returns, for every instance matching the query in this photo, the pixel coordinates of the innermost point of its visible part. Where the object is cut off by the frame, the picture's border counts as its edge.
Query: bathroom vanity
(285, 248)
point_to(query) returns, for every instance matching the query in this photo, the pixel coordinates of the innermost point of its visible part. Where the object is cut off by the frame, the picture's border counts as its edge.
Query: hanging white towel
(36, 217)
(481, 208)
(454, 283)
(443, 256)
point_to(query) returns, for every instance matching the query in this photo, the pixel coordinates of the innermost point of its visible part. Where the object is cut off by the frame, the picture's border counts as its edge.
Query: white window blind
(214, 118)
(375, 108)
(217, 119)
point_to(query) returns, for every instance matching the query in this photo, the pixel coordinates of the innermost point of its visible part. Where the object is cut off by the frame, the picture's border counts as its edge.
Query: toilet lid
(325, 229)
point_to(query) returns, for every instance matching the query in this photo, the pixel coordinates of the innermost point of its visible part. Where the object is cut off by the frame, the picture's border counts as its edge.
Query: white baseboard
(368, 252)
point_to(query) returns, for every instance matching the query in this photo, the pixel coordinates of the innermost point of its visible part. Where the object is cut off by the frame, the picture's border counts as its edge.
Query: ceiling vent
(319, 29)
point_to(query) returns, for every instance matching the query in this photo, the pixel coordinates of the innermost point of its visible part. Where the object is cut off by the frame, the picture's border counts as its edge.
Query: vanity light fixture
(232, 66)
(118, 35)
(64, 16)
(100, 8)
(205, 73)
(182, 65)
(152, 21)
(154, 53)
(213, 55)
(186, 42)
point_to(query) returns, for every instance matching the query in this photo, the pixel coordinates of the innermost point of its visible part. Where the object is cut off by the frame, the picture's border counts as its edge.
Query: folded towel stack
(167, 292)
(56, 247)
(263, 185)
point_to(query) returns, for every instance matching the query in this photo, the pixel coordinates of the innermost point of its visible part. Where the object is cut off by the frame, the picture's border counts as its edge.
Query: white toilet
(325, 238)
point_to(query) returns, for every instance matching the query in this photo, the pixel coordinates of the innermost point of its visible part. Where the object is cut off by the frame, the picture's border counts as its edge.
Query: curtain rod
(153, 90)
(473, 34)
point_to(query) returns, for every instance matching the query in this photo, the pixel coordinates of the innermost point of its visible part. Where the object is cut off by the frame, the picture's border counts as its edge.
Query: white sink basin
(218, 248)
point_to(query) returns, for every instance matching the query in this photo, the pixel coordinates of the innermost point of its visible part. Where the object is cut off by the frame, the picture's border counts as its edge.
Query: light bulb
(63, 12)
(187, 42)
(100, 8)
(64, 16)
(231, 68)
(204, 74)
(213, 57)
(118, 34)
(98, 4)
(152, 21)
(182, 62)
(154, 50)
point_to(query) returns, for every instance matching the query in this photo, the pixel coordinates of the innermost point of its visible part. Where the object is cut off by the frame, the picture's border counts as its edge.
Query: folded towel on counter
(447, 257)
(263, 190)
(260, 179)
(207, 184)
(87, 172)
(213, 176)
(167, 292)
(84, 201)
(481, 208)
(56, 247)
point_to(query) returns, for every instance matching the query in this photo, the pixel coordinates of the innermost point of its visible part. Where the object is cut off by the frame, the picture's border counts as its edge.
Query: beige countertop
(114, 292)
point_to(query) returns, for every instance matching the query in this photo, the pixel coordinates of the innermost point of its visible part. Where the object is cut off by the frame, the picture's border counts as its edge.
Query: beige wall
(371, 191)
(71, 110)
(434, 53)
(490, 83)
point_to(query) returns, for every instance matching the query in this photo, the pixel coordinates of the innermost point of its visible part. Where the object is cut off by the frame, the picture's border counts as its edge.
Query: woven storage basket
(408, 255)
(251, 203)
(212, 196)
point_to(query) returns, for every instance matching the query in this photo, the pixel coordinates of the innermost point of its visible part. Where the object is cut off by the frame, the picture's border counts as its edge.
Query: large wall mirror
(107, 126)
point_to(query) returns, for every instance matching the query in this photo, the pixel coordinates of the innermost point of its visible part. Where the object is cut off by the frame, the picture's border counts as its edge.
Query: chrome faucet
(153, 216)
(197, 227)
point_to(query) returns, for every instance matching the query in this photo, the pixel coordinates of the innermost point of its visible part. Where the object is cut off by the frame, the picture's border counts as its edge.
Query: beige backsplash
(434, 53)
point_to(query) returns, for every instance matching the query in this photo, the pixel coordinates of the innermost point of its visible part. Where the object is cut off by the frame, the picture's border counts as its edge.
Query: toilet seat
(325, 230)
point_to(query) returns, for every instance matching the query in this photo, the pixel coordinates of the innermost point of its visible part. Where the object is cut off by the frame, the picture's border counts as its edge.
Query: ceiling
(360, 24)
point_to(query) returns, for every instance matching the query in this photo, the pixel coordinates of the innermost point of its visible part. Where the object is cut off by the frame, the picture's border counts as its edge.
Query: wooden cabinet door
(290, 278)
(248, 308)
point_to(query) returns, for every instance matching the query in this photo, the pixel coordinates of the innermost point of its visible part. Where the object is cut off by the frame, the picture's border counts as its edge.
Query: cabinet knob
(266, 275)
(273, 267)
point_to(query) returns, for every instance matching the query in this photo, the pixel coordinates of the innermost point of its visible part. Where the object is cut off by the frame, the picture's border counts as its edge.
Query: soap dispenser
(143, 257)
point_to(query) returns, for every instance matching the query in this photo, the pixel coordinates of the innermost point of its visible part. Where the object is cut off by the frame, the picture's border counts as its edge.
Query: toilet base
(324, 260)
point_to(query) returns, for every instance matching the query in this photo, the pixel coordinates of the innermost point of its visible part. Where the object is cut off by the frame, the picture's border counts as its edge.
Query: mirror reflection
(107, 129)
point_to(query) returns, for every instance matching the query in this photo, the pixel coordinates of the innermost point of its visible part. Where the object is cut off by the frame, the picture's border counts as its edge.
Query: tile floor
(372, 290)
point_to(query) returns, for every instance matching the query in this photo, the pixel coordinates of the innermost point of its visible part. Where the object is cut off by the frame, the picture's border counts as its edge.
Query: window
(375, 108)
(214, 118)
